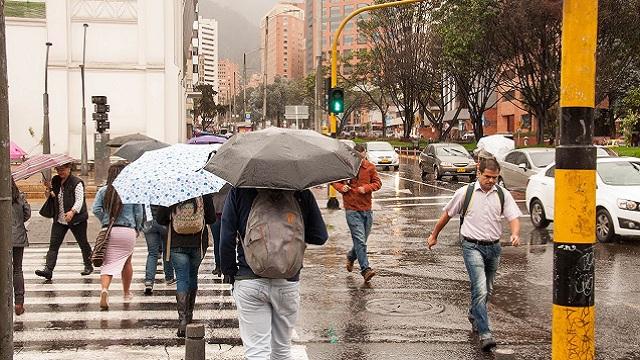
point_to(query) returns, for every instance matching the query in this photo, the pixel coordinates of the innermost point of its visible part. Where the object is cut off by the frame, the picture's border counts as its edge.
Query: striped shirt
(77, 205)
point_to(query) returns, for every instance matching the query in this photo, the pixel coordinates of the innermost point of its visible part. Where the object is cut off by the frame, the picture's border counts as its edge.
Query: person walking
(21, 212)
(356, 195)
(156, 237)
(126, 227)
(267, 306)
(480, 206)
(70, 213)
(218, 202)
(187, 240)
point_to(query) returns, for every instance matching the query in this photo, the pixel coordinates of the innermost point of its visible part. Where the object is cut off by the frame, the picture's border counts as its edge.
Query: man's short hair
(484, 154)
(359, 148)
(489, 163)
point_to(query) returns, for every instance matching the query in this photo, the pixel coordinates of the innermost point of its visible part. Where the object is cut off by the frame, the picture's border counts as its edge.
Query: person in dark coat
(186, 254)
(21, 212)
(70, 214)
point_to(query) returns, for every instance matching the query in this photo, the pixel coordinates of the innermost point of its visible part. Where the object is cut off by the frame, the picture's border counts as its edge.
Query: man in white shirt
(480, 233)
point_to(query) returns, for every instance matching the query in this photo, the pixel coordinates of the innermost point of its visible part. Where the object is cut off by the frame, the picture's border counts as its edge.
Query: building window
(348, 9)
(335, 13)
(195, 68)
(525, 121)
(348, 40)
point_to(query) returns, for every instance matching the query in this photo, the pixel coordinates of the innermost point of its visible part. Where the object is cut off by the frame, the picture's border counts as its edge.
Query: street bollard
(504, 354)
(194, 342)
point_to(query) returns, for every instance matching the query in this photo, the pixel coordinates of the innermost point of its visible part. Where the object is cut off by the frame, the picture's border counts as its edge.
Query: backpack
(187, 220)
(274, 242)
(467, 200)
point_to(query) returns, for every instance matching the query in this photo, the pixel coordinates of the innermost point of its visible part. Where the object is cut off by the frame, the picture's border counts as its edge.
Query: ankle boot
(182, 299)
(191, 304)
(45, 273)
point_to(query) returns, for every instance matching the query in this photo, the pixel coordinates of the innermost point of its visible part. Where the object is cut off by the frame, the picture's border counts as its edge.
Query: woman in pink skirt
(127, 225)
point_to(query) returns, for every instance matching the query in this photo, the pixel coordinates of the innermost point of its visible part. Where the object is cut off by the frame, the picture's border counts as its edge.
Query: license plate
(385, 161)
(461, 169)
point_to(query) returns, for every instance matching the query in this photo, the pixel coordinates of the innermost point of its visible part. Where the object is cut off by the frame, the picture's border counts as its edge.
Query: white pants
(267, 312)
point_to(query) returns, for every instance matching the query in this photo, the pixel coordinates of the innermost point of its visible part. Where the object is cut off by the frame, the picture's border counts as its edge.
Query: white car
(382, 154)
(617, 197)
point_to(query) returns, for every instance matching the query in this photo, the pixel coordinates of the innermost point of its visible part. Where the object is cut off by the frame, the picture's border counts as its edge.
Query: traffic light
(100, 110)
(336, 100)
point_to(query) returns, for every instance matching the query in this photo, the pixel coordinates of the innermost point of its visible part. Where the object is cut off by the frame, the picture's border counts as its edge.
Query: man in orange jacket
(356, 195)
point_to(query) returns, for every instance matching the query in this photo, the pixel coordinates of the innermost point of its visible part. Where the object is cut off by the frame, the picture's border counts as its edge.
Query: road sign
(299, 112)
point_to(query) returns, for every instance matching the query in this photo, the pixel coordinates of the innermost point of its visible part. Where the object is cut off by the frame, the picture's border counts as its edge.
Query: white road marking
(420, 182)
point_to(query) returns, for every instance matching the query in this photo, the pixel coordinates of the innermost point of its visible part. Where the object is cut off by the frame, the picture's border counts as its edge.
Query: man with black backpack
(480, 206)
(262, 241)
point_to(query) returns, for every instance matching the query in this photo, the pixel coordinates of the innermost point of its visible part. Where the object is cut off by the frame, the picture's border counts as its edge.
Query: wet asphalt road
(416, 307)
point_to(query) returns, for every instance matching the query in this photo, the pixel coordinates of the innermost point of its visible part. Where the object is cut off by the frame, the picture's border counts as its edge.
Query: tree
(205, 107)
(467, 41)
(528, 41)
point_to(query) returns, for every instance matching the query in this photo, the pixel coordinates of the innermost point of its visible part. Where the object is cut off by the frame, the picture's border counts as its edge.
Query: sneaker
(487, 344)
(87, 270)
(148, 288)
(45, 273)
(171, 281)
(349, 265)
(104, 299)
(217, 271)
(367, 274)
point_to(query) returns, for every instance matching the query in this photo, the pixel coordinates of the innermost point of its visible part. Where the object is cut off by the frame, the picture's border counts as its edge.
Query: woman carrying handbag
(21, 213)
(126, 221)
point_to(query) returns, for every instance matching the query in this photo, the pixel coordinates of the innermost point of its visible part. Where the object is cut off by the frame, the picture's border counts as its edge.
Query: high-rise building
(285, 42)
(228, 80)
(323, 18)
(208, 51)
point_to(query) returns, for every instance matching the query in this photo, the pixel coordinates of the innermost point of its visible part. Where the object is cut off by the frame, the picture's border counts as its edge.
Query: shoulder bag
(102, 240)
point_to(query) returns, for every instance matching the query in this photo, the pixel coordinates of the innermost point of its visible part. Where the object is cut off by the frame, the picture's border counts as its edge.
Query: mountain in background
(238, 28)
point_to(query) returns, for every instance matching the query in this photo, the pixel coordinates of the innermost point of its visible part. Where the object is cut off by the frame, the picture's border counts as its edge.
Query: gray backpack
(274, 240)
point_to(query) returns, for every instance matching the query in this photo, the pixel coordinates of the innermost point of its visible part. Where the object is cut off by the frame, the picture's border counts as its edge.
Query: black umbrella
(132, 150)
(278, 158)
(121, 140)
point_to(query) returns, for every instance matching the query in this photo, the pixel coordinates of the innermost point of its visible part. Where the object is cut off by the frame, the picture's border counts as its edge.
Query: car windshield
(620, 172)
(452, 151)
(542, 159)
(379, 146)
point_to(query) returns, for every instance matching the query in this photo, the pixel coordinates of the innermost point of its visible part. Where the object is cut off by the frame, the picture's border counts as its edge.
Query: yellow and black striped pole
(573, 326)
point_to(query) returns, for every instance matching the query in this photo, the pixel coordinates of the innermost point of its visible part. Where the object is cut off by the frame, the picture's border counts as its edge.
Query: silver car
(520, 164)
(382, 154)
(447, 159)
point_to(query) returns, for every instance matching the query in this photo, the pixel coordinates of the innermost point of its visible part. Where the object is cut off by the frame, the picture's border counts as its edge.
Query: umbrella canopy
(283, 159)
(207, 139)
(168, 176)
(497, 145)
(121, 140)
(134, 149)
(16, 151)
(40, 163)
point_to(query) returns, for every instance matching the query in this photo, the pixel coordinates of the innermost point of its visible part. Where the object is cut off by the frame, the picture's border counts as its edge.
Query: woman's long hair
(15, 192)
(111, 197)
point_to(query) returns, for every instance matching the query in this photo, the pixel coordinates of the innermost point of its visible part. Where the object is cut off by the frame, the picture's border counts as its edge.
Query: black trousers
(18, 277)
(58, 231)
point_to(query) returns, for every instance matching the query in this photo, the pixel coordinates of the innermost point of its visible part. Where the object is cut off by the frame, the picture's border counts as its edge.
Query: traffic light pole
(573, 319)
(84, 170)
(333, 203)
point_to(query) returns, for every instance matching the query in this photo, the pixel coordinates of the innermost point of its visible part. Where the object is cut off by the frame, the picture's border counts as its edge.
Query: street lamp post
(46, 136)
(84, 171)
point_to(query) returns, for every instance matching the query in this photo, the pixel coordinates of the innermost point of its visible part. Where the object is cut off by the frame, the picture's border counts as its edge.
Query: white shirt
(77, 205)
(483, 219)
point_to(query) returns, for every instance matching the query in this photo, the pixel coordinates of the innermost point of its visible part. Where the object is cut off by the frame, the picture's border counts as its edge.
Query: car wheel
(436, 173)
(538, 216)
(396, 168)
(604, 226)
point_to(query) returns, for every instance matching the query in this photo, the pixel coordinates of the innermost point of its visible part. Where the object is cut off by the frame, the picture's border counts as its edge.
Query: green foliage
(629, 123)
(206, 107)
(25, 9)
(627, 151)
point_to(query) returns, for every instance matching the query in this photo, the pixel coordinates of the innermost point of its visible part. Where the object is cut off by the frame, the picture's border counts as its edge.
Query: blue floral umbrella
(168, 176)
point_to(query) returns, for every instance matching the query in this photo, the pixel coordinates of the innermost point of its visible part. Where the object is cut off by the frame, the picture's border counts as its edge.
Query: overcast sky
(253, 10)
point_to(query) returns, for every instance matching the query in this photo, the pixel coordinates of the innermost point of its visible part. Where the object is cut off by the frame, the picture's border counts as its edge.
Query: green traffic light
(336, 101)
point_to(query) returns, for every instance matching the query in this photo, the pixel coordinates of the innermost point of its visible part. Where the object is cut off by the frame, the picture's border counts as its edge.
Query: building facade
(229, 79)
(208, 51)
(285, 42)
(137, 53)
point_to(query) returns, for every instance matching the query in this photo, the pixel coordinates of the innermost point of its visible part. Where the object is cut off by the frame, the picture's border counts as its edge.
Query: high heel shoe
(104, 299)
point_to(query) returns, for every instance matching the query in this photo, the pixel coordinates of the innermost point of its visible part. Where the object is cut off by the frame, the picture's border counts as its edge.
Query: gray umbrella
(132, 150)
(121, 140)
(278, 158)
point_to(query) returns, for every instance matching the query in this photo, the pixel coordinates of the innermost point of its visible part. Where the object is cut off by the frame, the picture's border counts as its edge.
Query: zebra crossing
(64, 314)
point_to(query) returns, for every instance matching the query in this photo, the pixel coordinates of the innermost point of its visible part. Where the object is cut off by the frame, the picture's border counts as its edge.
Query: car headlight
(446, 164)
(627, 204)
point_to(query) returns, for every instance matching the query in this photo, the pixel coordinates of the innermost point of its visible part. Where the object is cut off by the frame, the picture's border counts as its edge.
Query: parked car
(520, 164)
(349, 143)
(447, 159)
(468, 136)
(382, 154)
(617, 197)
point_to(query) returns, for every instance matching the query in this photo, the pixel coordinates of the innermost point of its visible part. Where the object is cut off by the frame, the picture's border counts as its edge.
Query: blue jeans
(267, 313)
(482, 263)
(360, 223)
(186, 262)
(156, 236)
(215, 231)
